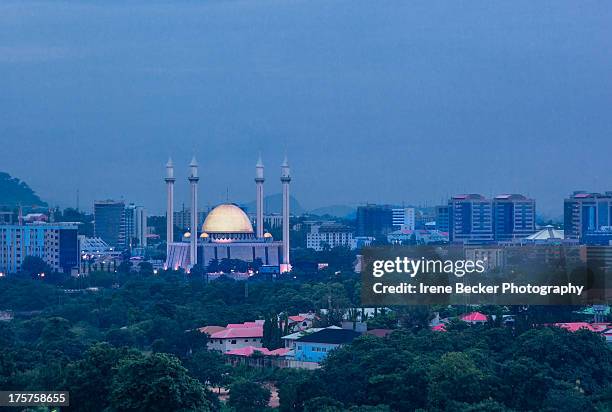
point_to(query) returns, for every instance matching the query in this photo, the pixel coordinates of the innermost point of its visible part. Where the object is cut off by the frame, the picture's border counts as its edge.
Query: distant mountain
(14, 192)
(342, 211)
(274, 204)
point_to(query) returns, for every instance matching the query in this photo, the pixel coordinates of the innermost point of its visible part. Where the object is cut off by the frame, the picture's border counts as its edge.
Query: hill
(274, 204)
(342, 211)
(14, 192)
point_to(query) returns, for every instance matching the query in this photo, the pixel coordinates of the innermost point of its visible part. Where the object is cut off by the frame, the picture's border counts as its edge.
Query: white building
(329, 234)
(404, 218)
(235, 336)
(135, 226)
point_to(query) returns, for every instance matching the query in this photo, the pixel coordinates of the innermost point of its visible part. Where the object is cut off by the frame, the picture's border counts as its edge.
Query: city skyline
(405, 104)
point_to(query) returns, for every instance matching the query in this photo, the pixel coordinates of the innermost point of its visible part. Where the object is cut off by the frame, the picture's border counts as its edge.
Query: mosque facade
(227, 232)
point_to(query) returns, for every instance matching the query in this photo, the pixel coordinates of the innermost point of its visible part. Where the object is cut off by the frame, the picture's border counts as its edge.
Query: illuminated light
(187, 235)
(1, 274)
(155, 272)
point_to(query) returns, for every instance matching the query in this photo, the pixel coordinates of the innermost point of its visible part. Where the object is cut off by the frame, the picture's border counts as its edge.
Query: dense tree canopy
(131, 343)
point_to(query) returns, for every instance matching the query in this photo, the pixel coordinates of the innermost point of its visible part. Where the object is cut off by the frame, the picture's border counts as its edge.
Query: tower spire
(259, 181)
(193, 180)
(285, 180)
(169, 179)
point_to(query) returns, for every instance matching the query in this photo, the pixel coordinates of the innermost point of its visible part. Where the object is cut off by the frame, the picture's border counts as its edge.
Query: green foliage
(34, 266)
(323, 404)
(16, 193)
(273, 330)
(155, 383)
(480, 368)
(208, 367)
(54, 342)
(247, 396)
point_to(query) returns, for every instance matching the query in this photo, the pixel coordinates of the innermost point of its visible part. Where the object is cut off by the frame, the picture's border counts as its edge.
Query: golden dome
(227, 218)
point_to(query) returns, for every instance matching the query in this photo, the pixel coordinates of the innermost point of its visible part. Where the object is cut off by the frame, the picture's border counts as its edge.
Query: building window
(233, 341)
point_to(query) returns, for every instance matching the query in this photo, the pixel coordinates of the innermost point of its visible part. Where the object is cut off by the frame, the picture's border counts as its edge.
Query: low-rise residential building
(236, 336)
(301, 321)
(314, 347)
(289, 340)
(474, 318)
(603, 329)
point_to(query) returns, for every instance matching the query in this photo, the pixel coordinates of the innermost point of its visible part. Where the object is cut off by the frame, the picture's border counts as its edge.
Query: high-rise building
(109, 222)
(374, 220)
(471, 219)
(56, 244)
(514, 216)
(586, 213)
(135, 226)
(442, 218)
(403, 218)
(182, 218)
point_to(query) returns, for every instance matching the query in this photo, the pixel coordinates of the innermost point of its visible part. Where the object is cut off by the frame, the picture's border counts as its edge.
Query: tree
(455, 378)
(34, 266)
(156, 383)
(145, 268)
(89, 380)
(246, 396)
(273, 330)
(124, 267)
(208, 367)
(323, 404)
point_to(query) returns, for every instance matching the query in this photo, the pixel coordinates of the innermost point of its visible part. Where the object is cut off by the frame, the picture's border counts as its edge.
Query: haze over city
(380, 102)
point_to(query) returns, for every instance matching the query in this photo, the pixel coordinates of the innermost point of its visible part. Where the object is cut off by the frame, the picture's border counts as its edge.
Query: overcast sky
(379, 101)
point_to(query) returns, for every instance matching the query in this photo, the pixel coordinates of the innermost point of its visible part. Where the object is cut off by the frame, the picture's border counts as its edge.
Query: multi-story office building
(270, 220)
(403, 218)
(442, 218)
(374, 220)
(56, 244)
(471, 219)
(135, 226)
(514, 217)
(329, 235)
(6, 218)
(586, 214)
(109, 222)
(182, 218)
(474, 219)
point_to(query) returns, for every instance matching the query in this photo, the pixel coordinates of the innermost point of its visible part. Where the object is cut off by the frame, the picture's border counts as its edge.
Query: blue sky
(379, 101)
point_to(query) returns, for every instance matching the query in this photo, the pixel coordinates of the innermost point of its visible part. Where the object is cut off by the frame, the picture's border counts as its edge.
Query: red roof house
(474, 317)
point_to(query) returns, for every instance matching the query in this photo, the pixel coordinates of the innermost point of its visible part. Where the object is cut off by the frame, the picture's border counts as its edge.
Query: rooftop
(332, 336)
(250, 350)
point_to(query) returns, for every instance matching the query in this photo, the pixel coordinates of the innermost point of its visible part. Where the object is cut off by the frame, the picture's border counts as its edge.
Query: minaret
(285, 179)
(193, 179)
(259, 181)
(170, 206)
